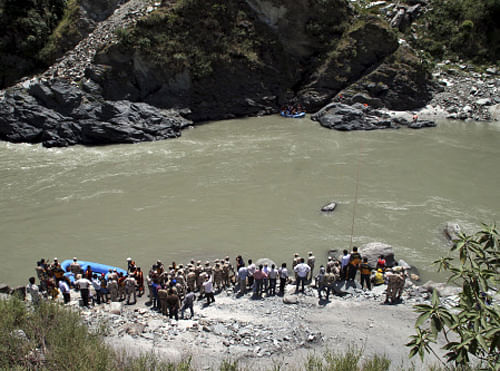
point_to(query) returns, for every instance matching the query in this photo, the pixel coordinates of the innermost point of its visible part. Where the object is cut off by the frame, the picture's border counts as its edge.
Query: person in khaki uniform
(162, 297)
(113, 290)
(218, 277)
(311, 259)
(191, 280)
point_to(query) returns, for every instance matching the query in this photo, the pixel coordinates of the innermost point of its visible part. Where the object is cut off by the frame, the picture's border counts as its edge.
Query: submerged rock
(329, 207)
(452, 230)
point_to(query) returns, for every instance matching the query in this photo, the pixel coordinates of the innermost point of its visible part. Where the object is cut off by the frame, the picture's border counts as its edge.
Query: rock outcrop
(359, 116)
(58, 114)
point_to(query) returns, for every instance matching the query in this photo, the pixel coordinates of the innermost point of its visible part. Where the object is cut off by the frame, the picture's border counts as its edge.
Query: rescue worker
(321, 281)
(130, 288)
(381, 263)
(378, 277)
(113, 289)
(74, 267)
(218, 277)
(354, 262)
(329, 265)
(365, 270)
(173, 304)
(191, 279)
(162, 298)
(139, 276)
(311, 259)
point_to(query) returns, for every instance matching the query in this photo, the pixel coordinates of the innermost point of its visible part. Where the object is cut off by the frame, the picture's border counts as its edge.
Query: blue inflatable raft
(96, 268)
(298, 115)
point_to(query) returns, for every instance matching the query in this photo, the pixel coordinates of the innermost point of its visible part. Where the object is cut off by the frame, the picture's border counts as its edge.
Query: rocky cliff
(211, 60)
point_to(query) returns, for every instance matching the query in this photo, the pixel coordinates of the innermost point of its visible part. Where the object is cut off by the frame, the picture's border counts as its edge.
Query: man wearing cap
(74, 267)
(310, 262)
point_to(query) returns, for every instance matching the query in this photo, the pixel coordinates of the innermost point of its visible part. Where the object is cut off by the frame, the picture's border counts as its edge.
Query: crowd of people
(175, 288)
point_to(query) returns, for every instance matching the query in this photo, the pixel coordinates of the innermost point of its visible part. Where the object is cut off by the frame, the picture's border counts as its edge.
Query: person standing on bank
(64, 287)
(301, 270)
(311, 259)
(83, 285)
(209, 290)
(283, 273)
(33, 290)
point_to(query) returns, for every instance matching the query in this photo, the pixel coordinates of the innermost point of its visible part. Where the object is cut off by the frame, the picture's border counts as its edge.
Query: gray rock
(4, 289)
(373, 250)
(452, 230)
(404, 264)
(115, 307)
(265, 261)
(329, 207)
(59, 114)
(492, 71)
(289, 299)
(442, 289)
(484, 102)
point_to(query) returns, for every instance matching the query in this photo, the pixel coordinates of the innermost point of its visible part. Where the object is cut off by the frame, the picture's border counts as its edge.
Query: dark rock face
(342, 117)
(360, 51)
(399, 83)
(58, 114)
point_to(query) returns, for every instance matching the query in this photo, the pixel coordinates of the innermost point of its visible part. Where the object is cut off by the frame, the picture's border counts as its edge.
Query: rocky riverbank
(272, 329)
(464, 93)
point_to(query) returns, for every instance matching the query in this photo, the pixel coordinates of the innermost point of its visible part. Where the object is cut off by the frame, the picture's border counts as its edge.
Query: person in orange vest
(354, 263)
(365, 269)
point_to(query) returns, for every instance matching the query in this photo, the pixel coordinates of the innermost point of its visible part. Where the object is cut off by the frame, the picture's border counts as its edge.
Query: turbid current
(253, 187)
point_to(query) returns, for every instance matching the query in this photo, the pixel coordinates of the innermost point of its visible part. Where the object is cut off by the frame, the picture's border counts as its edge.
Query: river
(252, 187)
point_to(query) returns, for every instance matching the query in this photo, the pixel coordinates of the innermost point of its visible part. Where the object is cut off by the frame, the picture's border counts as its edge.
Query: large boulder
(265, 261)
(359, 116)
(58, 114)
(373, 250)
(442, 289)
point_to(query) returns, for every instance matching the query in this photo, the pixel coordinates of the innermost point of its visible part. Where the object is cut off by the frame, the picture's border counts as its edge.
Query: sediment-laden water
(252, 187)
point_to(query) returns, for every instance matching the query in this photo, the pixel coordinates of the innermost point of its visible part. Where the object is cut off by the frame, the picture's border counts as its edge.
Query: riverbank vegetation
(471, 329)
(25, 27)
(468, 29)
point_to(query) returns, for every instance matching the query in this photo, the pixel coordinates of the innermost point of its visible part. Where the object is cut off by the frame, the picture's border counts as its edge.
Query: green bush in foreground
(472, 329)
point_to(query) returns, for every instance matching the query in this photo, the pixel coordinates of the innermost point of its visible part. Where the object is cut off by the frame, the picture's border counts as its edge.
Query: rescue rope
(356, 194)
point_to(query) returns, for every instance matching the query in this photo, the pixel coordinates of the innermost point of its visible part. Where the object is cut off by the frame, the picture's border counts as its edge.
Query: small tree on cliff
(472, 328)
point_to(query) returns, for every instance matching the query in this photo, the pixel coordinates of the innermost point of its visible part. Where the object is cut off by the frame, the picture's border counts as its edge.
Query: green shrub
(472, 328)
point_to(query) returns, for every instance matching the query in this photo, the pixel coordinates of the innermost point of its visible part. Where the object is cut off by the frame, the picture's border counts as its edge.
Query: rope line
(356, 194)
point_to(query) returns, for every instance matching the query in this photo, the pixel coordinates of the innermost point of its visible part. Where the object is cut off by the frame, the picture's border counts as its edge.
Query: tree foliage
(25, 26)
(472, 328)
(467, 28)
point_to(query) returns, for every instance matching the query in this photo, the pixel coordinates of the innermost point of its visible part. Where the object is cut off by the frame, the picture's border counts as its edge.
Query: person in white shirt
(272, 275)
(344, 260)
(83, 285)
(209, 290)
(33, 290)
(302, 270)
(64, 288)
(251, 270)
